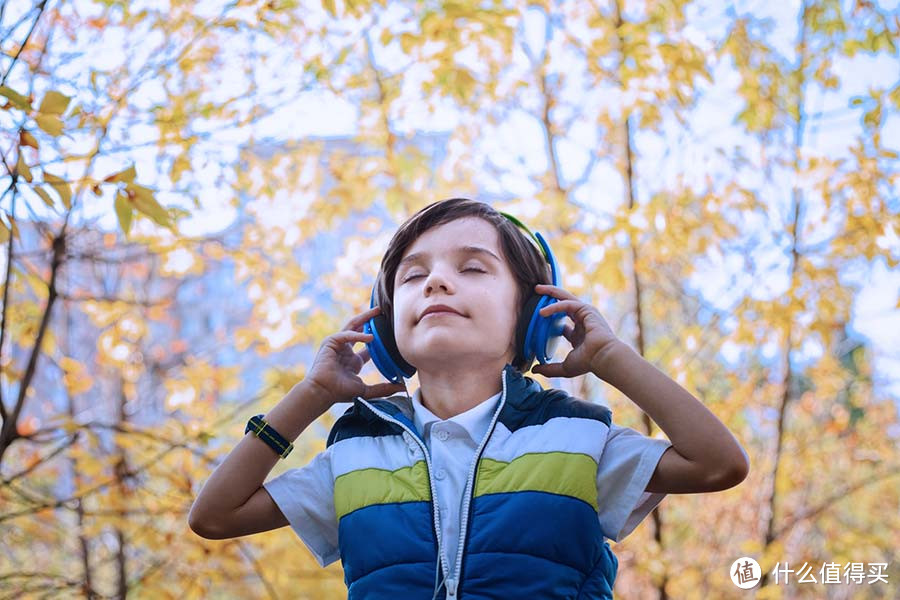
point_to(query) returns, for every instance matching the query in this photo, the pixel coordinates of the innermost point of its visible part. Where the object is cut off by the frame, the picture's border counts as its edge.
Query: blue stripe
(382, 535)
(556, 528)
(396, 582)
(499, 576)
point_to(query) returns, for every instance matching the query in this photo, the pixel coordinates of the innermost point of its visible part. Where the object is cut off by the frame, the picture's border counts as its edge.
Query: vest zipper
(470, 490)
(451, 587)
(435, 511)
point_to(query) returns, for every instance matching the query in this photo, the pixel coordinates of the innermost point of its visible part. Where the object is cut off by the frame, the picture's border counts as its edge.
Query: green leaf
(123, 211)
(54, 103)
(52, 124)
(62, 188)
(18, 100)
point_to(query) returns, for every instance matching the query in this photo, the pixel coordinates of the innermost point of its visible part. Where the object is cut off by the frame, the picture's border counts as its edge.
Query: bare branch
(40, 9)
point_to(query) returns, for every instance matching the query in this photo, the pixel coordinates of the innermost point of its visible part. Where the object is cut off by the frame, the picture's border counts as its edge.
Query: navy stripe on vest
(383, 535)
(359, 421)
(556, 529)
(529, 404)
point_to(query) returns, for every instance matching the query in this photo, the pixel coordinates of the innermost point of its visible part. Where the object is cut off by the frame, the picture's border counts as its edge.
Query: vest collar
(521, 392)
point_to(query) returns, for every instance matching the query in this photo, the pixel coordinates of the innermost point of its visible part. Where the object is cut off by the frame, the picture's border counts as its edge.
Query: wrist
(310, 394)
(295, 411)
(602, 364)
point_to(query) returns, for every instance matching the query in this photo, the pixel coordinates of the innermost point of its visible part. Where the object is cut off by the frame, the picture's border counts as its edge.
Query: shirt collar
(475, 421)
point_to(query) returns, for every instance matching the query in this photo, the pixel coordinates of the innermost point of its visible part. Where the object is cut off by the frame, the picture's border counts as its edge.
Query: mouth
(439, 311)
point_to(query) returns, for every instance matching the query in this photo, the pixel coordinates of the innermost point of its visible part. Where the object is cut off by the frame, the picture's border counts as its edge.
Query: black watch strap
(258, 427)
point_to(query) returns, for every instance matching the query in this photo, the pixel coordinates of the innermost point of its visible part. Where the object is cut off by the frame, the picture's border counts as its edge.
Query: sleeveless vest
(528, 525)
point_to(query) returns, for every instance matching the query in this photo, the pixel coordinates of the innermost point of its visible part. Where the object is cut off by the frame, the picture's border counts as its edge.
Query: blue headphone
(536, 335)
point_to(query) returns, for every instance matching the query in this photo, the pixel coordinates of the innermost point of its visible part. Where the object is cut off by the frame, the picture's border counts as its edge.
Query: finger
(567, 332)
(555, 291)
(549, 370)
(380, 390)
(351, 337)
(364, 354)
(568, 306)
(357, 321)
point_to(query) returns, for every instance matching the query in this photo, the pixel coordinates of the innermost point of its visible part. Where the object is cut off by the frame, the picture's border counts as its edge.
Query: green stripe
(564, 473)
(365, 487)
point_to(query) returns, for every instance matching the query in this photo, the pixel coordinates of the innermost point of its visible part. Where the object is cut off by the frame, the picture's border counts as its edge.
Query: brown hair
(527, 263)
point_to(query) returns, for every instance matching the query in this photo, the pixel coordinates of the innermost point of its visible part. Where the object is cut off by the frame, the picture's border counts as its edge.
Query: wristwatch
(267, 433)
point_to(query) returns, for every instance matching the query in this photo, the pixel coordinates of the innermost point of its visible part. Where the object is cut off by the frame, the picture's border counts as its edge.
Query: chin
(447, 355)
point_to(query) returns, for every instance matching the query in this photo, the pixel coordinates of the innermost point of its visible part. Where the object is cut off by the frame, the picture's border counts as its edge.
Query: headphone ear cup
(542, 333)
(523, 344)
(383, 350)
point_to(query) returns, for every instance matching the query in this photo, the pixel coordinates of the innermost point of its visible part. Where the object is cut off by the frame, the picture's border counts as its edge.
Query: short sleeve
(306, 497)
(626, 465)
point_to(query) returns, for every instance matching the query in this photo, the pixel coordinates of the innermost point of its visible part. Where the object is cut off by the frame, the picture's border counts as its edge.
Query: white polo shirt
(452, 444)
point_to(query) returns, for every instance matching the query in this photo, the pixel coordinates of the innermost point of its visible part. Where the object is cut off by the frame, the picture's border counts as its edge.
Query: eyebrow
(416, 256)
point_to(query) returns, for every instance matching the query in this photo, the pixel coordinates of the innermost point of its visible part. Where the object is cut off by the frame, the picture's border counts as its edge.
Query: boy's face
(460, 265)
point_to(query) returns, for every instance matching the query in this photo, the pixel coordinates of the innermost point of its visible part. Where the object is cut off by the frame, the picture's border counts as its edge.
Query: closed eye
(418, 275)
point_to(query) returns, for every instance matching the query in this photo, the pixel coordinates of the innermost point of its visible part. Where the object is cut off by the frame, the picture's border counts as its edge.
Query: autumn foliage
(192, 197)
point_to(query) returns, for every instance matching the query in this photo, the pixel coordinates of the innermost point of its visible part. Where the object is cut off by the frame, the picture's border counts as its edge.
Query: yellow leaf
(181, 164)
(127, 175)
(145, 202)
(406, 42)
(61, 186)
(44, 195)
(52, 124)
(54, 103)
(17, 99)
(26, 139)
(123, 211)
(22, 169)
(76, 378)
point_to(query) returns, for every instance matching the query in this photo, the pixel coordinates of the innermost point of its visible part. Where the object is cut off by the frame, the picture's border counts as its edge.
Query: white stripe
(559, 434)
(389, 452)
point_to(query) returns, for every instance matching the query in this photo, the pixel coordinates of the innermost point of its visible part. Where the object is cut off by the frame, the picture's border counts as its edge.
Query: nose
(437, 279)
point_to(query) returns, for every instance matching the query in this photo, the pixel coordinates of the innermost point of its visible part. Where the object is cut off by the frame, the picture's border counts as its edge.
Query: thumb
(549, 370)
(380, 390)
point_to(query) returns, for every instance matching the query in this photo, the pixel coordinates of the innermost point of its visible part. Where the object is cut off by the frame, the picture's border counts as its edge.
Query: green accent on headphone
(528, 231)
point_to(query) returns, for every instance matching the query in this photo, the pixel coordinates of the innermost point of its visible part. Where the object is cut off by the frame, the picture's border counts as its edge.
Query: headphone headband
(541, 243)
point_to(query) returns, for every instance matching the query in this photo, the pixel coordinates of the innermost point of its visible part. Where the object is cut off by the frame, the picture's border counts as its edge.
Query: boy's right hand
(335, 370)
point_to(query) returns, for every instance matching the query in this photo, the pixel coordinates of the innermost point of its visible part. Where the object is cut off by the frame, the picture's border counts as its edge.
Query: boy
(483, 484)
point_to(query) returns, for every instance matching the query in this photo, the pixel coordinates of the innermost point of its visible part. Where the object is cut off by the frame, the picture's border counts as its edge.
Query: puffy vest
(528, 524)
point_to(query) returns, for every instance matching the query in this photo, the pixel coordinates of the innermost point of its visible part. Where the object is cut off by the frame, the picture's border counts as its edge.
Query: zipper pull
(451, 587)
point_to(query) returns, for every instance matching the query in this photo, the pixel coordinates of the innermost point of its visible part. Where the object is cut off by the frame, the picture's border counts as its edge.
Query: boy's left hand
(590, 337)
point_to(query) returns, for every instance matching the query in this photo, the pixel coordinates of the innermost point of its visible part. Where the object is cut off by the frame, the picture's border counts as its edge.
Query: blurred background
(194, 194)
